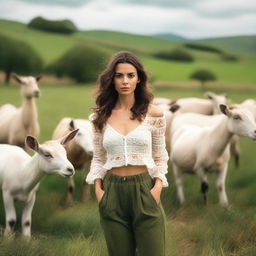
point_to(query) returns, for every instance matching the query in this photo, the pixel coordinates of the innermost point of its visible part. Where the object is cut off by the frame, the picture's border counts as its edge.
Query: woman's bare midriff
(128, 170)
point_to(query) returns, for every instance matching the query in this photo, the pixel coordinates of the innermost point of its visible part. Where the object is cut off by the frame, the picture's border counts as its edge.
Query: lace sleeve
(99, 158)
(159, 152)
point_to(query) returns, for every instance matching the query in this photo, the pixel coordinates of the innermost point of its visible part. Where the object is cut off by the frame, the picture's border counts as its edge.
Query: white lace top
(145, 145)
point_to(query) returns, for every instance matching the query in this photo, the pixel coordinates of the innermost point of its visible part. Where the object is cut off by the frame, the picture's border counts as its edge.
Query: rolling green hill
(239, 44)
(141, 43)
(242, 44)
(51, 46)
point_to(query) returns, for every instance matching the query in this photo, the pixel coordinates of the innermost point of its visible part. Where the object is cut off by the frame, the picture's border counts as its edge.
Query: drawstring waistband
(128, 179)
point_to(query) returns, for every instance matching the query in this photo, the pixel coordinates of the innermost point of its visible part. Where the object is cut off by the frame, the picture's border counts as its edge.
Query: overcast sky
(189, 18)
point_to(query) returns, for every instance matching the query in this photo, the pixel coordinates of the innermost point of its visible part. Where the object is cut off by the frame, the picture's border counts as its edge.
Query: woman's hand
(99, 194)
(98, 189)
(156, 190)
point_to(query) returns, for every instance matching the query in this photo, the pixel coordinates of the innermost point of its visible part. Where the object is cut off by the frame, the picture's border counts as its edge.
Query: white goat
(79, 150)
(249, 104)
(20, 175)
(17, 123)
(163, 103)
(199, 150)
(208, 106)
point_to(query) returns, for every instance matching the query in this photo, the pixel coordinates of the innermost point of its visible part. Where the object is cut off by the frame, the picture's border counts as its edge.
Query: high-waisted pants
(130, 216)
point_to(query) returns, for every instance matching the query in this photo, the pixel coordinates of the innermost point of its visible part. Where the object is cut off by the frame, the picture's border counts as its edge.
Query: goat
(20, 175)
(79, 150)
(201, 149)
(249, 104)
(208, 106)
(17, 123)
(184, 105)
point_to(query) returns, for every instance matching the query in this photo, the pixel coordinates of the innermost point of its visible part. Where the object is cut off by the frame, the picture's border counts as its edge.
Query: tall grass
(194, 229)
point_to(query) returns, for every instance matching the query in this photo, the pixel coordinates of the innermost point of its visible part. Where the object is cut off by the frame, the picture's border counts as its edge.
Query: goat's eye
(79, 134)
(48, 155)
(237, 117)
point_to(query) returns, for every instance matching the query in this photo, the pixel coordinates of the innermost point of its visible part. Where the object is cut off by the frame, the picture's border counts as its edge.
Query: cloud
(58, 2)
(159, 3)
(216, 8)
(203, 19)
(225, 9)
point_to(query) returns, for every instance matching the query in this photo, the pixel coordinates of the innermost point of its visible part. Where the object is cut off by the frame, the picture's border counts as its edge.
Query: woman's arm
(159, 152)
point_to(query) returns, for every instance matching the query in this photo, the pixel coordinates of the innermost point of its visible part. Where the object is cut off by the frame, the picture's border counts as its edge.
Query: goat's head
(240, 121)
(52, 156)
(84, 135)
(29, 88)
(217, 99)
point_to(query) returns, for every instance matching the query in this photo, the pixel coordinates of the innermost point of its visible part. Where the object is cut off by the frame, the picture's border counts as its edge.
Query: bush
(201, 47)
(176, 55)
(57, 26)
(203, 76)
(229, 57)
(81, 63)
(17, 56)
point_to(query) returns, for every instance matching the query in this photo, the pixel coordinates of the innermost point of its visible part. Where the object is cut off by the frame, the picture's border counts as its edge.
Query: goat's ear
(32, 143)
(17, 78)
(224, 109)
(225, 94)
(173, 102)
(71, 125)
(68, 137)
(209, 95)
(174, 108)
(39, 77)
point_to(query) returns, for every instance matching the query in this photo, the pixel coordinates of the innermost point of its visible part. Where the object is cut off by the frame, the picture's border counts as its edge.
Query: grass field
(194, 229)
(51, 46)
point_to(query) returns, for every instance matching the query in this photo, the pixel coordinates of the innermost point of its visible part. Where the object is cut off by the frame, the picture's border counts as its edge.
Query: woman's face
(125, 78)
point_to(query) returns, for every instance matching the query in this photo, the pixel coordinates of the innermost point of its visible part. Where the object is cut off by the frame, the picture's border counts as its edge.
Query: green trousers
(131, 218)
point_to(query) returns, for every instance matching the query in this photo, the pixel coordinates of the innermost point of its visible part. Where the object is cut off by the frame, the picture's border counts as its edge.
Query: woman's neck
(125, 102)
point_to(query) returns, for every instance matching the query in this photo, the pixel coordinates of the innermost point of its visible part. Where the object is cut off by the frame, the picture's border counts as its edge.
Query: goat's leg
(70, 190)
(234, 149)
(86, 188)
(204, 182)
(220, 184)
(10, 213)
(179, 183)
(26, 216)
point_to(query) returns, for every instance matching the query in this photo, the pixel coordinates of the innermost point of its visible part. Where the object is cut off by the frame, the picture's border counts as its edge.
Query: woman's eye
(131, 75)
(117, 75)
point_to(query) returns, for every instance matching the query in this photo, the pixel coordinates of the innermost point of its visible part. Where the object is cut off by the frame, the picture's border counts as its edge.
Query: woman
(130, 160)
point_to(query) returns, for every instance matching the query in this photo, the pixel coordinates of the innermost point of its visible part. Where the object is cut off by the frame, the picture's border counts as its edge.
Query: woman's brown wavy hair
(106, 95)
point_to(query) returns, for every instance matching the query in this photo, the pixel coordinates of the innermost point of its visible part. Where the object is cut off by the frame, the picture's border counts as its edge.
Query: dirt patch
(209, 85)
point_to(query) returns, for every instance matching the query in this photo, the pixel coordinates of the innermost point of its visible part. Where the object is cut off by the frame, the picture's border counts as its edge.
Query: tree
(56, 26)
(175, 55)
(82, 63)
(19, 57)
(203, 76)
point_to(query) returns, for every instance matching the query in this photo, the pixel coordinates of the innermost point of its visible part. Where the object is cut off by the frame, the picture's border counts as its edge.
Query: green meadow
(194, 229)
(51, 46)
